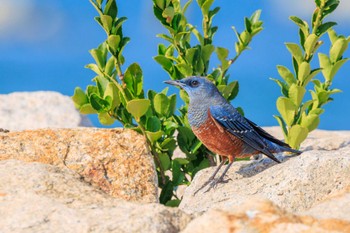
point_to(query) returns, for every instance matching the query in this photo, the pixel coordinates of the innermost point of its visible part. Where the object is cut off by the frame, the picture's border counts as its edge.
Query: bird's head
(196, 87)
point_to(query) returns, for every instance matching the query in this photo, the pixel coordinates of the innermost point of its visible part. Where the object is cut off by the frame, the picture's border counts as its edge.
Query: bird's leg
(211, 178)
(221, 178)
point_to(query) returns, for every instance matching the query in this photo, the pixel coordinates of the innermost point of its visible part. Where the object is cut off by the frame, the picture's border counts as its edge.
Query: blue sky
(44, 46)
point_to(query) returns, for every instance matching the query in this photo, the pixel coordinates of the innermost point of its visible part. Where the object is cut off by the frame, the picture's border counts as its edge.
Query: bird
(222, 129)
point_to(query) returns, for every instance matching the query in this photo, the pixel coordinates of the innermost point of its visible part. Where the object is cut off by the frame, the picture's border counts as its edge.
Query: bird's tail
(285, 148)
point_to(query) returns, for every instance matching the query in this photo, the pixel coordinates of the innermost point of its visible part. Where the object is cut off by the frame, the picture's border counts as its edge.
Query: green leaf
(282, 125)
(336, 67)
(167, 192)
(207, 50)
(87, 109)
(284, 87)
(184, 69)
(111, 8)
(160, 3)
(94, 68)
(133, 79)
(323, 28)
(153, 124)
(301, 23)
(316, 111)
(161, 104)
(296, 51)
(90, 89)
(304, 71)
(297, 134)
(169, 144)
(164, 62)
(296, 94)
(232, 89)
(110, 65)
(337, 49)
(99, 57)
(173, 203)
(168, 14)
(313, 73)
(326, 66)
(178, 175)
(310, 43)
(99, 104)
(206, 6)
(154, 136)
(107, 22)
(138, 107)
(79, 97)
(333, 37)
(112, 91)
(287, 109)
(165, 161)
(113, 43)
(310, 121)
(286, 74)
(105, 119)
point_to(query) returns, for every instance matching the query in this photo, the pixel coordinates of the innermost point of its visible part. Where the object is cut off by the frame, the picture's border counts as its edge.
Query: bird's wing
(265, 134)
(237, 125)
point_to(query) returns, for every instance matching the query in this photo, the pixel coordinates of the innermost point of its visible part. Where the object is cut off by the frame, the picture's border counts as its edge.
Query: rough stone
(115, 160)
(259, 215)
(336, 206)
(37, 197)
(295, 185)
(42, 109)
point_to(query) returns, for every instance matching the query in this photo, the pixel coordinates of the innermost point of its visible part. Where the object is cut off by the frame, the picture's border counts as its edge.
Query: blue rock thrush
(222, 129)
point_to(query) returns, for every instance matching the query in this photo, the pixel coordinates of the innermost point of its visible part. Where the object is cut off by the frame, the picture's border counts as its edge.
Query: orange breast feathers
(217, 139)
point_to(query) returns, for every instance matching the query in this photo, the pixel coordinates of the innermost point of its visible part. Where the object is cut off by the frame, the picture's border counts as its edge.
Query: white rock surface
(295, 185)
(43, 198)
(42, 109)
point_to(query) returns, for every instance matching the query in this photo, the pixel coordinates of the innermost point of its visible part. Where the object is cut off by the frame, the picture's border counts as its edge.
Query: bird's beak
(175, 83)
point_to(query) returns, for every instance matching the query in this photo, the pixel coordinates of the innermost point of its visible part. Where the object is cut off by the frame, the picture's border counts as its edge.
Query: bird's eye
(194, 83)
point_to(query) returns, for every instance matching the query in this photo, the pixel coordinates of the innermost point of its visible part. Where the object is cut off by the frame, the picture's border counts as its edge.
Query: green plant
(298, 118)
(181, 58)
(119, 95)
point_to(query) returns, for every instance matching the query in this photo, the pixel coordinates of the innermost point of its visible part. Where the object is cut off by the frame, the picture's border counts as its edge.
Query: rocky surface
(295, 185)
(38, 197)
(42, 109)
(260, 215)
(115, 160)
(336, 206)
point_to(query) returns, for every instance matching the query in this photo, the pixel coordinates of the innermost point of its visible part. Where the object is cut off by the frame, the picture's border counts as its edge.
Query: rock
(259, 215)
(336, 206)
(295, 185)
(42, 109)
(115, 160)
(37, 197)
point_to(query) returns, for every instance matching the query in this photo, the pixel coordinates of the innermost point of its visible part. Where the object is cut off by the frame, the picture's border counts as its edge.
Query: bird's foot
(215, 182)
(205, 184)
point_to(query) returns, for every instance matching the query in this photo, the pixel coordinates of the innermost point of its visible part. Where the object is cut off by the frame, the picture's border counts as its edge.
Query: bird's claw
(214, 183)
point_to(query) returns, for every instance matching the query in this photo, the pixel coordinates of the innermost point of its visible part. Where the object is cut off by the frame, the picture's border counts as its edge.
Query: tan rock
(258, 215)
(336, 205)
(40, 109)
(115, 160)
(295, 185)
(37, 197)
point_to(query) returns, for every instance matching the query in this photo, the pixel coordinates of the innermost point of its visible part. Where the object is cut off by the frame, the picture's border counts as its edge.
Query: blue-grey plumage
(222, 128)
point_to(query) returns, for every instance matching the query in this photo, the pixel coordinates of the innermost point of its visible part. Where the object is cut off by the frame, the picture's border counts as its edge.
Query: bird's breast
(218, 140)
